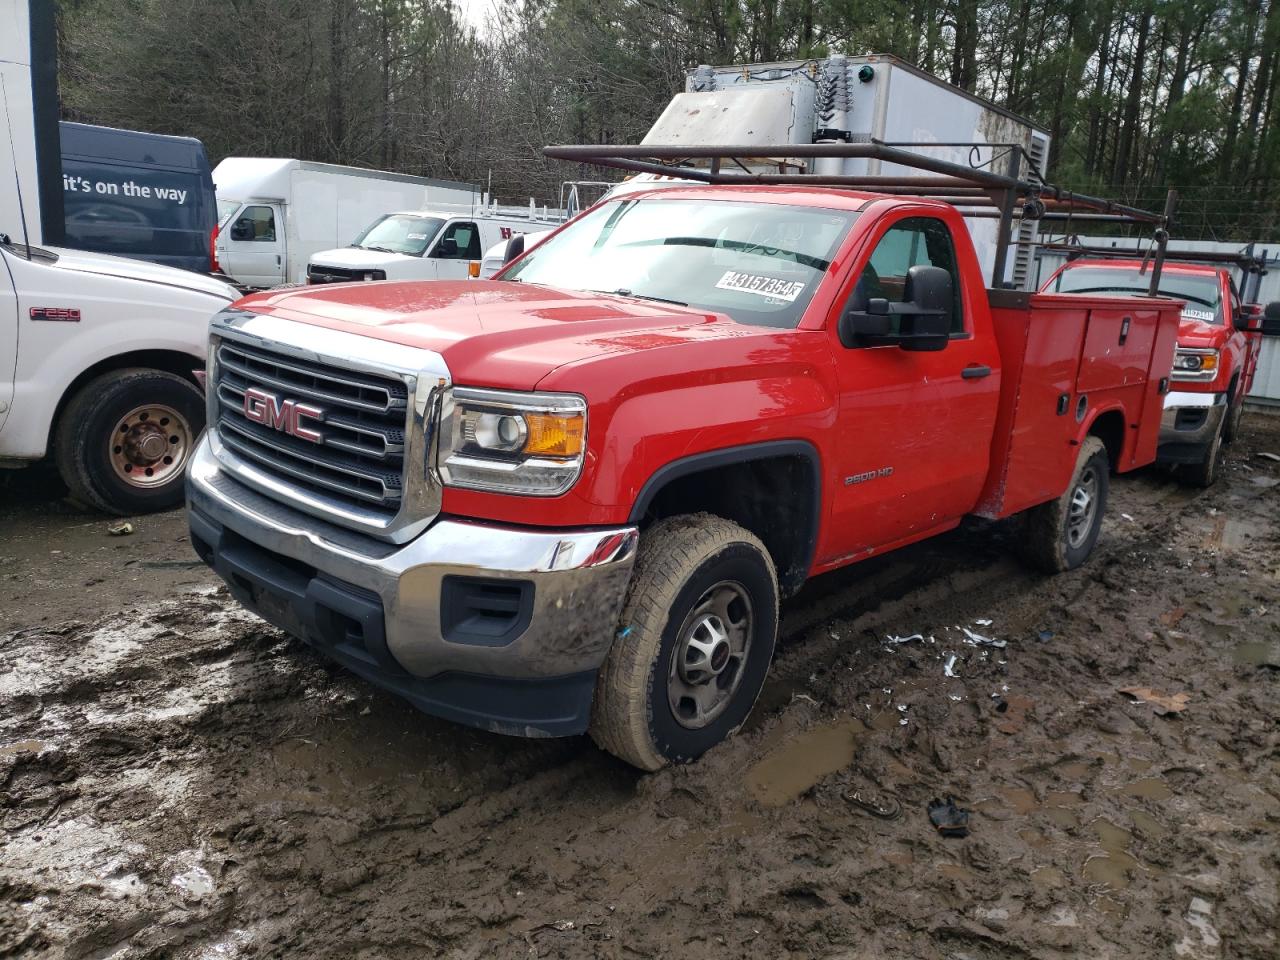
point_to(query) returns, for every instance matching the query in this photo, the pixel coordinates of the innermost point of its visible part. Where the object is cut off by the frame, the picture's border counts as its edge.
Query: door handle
(1124, 330)
(976, 372)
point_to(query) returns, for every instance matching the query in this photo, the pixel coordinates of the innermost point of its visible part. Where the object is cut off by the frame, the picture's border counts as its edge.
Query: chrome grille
(359, 458)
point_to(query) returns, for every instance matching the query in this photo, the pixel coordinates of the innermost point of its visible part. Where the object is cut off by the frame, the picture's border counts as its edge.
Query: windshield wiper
(380, 249)
(623, 292)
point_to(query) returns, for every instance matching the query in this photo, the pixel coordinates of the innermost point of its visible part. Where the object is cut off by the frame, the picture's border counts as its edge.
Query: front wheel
(1060, 535)
(124, 439)
(1235, 413)
(1205, 473)
(693, 645)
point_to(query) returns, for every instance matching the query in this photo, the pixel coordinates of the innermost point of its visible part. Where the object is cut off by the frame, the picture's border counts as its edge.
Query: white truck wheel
(124, 439)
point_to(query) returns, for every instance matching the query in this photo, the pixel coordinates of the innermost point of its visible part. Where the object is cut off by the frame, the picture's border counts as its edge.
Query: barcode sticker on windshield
(1194, 314)
(761, 286)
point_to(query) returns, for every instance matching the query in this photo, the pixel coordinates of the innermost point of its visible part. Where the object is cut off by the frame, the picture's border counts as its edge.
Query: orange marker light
(554, 436)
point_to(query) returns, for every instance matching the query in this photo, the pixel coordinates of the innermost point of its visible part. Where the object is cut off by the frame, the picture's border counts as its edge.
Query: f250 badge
(869, 475)
(286, 416)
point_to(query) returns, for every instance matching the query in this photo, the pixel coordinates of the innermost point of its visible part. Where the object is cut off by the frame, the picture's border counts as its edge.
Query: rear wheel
(693, 646)
(124, 440)
(1060, 535)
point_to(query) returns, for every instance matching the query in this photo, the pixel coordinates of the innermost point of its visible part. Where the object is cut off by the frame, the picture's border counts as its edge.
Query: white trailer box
(858, 98)
(275, 214)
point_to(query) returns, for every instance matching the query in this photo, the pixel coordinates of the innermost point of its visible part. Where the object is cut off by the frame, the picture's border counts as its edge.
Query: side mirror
(242, 229)
(924, 316)
(1249, 318)
(448, 248)
(514, 248)
(865, 328)
(1271, 319)
(930, 293)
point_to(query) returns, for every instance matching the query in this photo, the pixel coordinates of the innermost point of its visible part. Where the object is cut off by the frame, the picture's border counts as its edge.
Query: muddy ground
(178, 779)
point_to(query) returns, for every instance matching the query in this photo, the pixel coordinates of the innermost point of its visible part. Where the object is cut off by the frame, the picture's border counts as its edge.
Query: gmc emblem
(286, 416)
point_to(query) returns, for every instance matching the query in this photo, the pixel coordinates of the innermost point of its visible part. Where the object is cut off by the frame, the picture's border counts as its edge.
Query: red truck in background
(570, 499)
(1219, 339)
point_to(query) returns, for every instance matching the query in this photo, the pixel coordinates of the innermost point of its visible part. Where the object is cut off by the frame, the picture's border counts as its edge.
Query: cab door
(914, 428)
(455, 248)
(8, 336)
(251, 248)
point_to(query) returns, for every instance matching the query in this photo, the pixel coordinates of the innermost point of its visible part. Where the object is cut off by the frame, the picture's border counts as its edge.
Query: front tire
(1205, 473)
(124, 440)
(694, 643)
(1235, 413)
(1060, 535)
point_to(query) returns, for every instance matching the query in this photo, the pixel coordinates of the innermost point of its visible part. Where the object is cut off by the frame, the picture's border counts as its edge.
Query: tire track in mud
(305, 813)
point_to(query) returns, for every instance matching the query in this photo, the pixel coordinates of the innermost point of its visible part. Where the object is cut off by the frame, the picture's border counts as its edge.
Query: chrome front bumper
(1188, 425)
(268, 551)
(1191, 419)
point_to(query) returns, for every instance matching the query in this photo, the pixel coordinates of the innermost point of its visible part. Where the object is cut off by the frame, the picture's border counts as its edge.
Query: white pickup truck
(97, 366)
(98, 354)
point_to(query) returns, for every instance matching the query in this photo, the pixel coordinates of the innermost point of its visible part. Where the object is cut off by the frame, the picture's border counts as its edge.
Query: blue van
(141, 195)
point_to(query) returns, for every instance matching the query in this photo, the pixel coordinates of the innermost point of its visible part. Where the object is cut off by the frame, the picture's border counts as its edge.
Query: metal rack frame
(1251, 265)
(976, 191)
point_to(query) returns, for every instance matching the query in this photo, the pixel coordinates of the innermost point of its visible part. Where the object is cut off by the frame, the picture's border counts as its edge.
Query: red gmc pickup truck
(570, 499)
(1218, 344)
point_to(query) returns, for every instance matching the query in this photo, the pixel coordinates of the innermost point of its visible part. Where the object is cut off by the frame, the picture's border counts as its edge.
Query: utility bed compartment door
(1067, 359)
(1117, 348)
(1040, 358)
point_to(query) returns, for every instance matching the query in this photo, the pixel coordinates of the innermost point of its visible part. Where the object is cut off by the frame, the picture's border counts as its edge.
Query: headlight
(1190, 363)
(507, 442)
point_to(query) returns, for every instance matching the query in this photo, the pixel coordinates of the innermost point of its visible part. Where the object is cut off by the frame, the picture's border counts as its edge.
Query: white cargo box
(858, 98)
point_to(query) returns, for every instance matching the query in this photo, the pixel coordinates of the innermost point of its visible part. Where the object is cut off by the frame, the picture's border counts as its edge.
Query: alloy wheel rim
(710, 655)
(1083, 507)
(149, 445)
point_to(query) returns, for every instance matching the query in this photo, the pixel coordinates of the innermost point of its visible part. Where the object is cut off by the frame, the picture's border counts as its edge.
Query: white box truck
(860, 99)
(274, 215)
(97, 353)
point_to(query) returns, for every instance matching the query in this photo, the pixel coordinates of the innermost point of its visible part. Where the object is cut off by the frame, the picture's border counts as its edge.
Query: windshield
(1202, 292)
(757, 262)
(225, 209)
(400, 233)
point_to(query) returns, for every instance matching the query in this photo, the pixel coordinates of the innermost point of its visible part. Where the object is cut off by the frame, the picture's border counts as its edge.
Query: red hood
(495, 333)
(1197, 333)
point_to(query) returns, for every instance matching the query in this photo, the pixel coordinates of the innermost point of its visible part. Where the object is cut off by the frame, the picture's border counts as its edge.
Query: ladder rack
(975, 190)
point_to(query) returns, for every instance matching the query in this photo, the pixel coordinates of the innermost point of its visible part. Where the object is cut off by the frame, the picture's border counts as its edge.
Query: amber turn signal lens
(473, 268)
(554, 436)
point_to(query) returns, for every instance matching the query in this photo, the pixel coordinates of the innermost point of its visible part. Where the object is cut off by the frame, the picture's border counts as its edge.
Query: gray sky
(475, 12)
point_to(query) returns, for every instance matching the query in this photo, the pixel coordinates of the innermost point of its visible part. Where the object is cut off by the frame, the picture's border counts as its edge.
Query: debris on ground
(1162, 703)
(1013, 711)
(1268, 455)
(122, 529)
(880, 807)
(949, 819)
